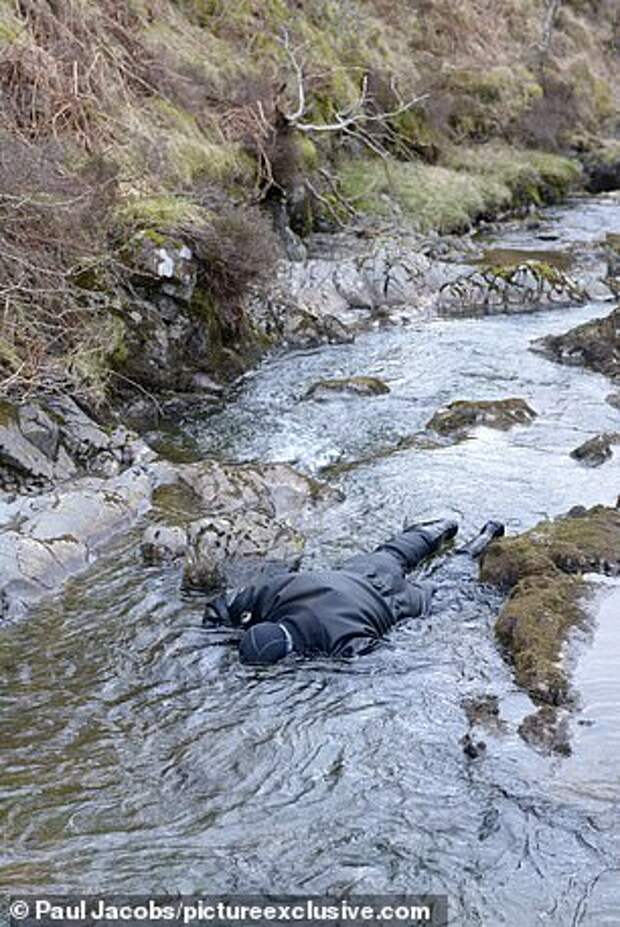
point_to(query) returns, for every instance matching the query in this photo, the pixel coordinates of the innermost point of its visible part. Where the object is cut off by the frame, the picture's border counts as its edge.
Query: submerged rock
(494, 413)
(547, 730)
(483, 711)
(473, 748)
(357, 386)
(421, 441)
(614, 400)
(612, 249)
(595, 451)
(595, 345)
(542, 568)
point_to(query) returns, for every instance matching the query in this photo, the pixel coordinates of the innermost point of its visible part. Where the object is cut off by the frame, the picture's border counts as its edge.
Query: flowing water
(139, 756)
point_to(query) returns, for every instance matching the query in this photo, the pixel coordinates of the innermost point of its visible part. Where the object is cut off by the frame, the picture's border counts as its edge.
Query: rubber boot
(488, 533)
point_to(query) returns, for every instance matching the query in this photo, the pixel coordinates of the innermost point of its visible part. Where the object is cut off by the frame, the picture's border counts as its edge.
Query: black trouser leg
(418, 541)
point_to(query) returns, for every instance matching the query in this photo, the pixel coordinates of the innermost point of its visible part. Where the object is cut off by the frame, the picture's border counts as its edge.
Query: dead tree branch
(355, 116)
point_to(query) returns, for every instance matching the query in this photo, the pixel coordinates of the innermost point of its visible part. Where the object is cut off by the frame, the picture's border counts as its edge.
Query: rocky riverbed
(405, 392)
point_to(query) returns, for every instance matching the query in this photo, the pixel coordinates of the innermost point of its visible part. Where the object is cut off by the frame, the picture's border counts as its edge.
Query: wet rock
(19, 454)
(612, 249)
(47, 442)
(356, 386)
(483, 711)
(346, 285)
(614, 400)
(225, 550)
(542, 568)
(471, 748)
(547, 730)
(597, 291)
(595, 451)
(287, 321)
(39, 429)
(277, 490)
(595, 345)
(523, 287)
(162, 543)
(251, 515)
(55, 535)
(494, 413)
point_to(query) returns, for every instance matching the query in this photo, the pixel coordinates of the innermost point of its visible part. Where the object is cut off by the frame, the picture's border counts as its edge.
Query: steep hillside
(212, 123)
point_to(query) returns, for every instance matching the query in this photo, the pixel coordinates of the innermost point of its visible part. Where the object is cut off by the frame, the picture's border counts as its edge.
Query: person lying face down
(342, 612)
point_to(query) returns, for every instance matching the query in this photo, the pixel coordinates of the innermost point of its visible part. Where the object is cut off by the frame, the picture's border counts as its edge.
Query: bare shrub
(237, 249)
(550, 119)
(53, 224)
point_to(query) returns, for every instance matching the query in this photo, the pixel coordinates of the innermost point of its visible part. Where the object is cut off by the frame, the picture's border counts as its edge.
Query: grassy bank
(190, 118)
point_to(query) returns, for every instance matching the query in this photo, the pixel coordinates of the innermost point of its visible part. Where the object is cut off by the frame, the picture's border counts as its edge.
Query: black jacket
(335, 612)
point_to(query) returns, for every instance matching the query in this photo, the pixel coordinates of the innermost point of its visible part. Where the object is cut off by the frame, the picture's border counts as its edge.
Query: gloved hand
(216, 612)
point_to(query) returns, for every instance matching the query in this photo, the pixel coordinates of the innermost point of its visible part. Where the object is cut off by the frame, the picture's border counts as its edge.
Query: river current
(139, 756)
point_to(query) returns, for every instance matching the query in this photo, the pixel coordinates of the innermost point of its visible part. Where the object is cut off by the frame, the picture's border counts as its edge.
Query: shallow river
(138, 759)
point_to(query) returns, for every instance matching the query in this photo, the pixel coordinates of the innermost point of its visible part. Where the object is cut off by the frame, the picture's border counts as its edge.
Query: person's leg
(402, 553)
(418, 541)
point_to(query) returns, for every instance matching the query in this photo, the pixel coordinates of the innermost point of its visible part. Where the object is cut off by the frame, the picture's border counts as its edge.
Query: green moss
(308, 153)
(160, 212)
(8, 413)
(119, 350)
(8, 354)
(542, 568)
(533, 627)
(586, 541)
(11, 28)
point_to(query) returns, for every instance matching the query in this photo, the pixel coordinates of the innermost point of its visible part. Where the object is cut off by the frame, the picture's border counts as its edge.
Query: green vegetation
(542, 569)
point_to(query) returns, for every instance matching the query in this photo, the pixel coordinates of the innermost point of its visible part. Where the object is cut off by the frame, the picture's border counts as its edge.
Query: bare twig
(355, 116)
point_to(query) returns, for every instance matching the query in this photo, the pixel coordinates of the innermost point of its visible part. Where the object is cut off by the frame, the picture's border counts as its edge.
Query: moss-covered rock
(356, 386)
(526, 286)
(543, 569)
(533, 627)
(494, 413)
(580, 541)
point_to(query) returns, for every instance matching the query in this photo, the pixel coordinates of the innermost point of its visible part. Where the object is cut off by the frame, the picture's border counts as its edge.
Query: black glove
(216, 612)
